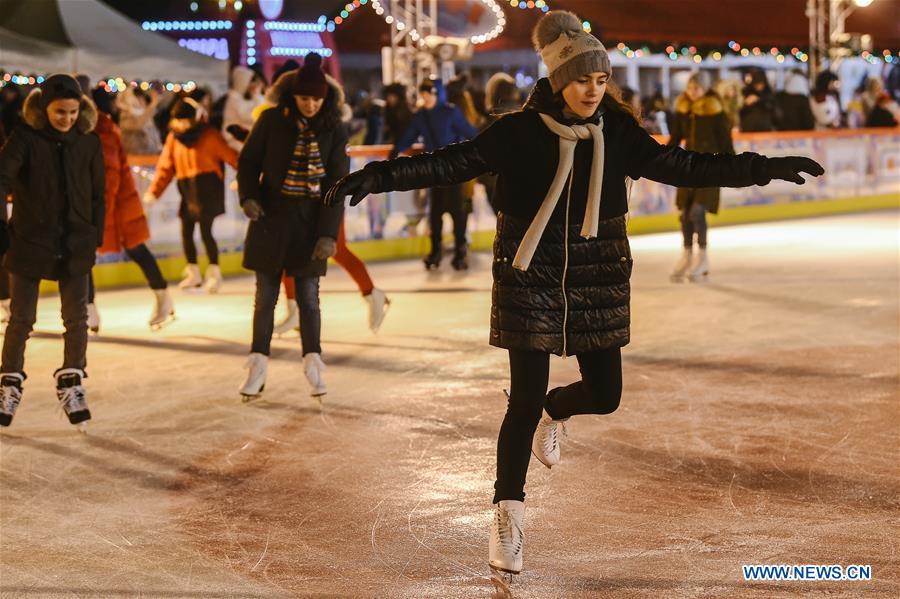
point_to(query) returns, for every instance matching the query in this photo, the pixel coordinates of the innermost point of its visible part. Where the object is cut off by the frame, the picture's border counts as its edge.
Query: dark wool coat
(285, 237)
(554, 307)
(57, 181)
(704, 127)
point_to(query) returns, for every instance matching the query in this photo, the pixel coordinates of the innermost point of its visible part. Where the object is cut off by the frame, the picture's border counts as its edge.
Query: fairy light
(494, 7)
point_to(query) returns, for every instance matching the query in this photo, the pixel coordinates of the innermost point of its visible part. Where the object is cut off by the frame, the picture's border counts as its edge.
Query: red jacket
(126, 225)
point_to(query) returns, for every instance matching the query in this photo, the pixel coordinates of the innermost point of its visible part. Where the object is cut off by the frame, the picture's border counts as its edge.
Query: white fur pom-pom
(552, 25)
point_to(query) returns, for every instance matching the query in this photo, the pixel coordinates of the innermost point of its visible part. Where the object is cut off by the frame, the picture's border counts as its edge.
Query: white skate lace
(9, 399)
(72, 399)
(551, 442)
(505, 526)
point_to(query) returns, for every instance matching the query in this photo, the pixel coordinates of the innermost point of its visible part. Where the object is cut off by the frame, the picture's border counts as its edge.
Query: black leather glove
(326, 247)
(4, 238)
(252, 209)
(790, 167)
(357, 185)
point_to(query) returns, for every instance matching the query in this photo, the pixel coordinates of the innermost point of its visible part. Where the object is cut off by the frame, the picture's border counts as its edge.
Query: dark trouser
(450, 200)
(693, 220)
(598, 392)
(140, 255)
(267, 286)
(24, 293)
(209, 242)
(4, 281)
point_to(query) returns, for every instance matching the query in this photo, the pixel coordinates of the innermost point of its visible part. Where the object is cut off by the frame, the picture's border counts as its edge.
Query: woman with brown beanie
(293, 154)
(562, 263)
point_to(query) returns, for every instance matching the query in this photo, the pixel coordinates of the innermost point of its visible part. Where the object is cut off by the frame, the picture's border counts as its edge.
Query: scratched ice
(759, 424)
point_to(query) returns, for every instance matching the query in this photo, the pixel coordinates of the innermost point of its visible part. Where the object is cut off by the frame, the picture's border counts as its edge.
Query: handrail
(383, 150)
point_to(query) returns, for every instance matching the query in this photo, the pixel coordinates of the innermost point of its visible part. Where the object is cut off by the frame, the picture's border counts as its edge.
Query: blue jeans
(267, 287)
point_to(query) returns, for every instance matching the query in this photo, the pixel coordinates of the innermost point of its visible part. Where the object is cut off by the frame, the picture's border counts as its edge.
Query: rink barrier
(869, 159)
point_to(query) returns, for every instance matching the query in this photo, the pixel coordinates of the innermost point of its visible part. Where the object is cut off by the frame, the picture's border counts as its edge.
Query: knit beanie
(59, 87)
(310, 80)
(567, 50)
(185, 108)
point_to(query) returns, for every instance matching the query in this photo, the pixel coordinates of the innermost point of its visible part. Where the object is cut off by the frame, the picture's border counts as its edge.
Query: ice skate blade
(549, 466)
(82, 427)
(158, 326)
(678, 278)
(248, 397)
(702, 278)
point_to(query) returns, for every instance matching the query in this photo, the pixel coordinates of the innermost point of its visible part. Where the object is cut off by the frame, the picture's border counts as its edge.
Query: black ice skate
(433, 260)
(70, 393)
(460, 262)
(10, 396)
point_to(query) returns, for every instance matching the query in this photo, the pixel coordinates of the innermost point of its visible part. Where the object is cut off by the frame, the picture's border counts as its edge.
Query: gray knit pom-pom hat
(567, 49)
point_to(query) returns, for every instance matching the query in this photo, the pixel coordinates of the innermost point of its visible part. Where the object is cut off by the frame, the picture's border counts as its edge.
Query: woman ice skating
(294, 153)
(561, 257)
(193, 154)
(53, 167)
(126, 225)
(700, 121)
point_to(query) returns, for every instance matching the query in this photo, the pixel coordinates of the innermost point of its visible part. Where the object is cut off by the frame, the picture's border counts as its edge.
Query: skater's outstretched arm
(452, 164)
(682, 168)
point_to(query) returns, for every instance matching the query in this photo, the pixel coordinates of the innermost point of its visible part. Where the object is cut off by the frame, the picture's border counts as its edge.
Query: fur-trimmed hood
(334, 110)
(36, 118)
(708, 105)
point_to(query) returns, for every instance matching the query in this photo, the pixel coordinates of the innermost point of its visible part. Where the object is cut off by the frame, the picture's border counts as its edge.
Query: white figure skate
(192, 279)
(545, 444)
(682, 266)
(700, 267)
(313, 366)
(213, 279)
(378, 306)
(164, 310)
(506, 544)
(257, 366)
(93, 318)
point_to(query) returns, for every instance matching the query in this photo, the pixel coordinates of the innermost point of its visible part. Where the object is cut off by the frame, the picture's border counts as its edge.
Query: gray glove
(252, 209)
(326, 247)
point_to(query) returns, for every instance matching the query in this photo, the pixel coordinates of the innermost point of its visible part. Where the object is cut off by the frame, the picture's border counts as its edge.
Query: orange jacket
(126, 225)
(186, 162)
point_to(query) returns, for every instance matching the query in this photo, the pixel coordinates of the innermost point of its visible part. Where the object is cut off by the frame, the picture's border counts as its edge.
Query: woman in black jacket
(561, 257)
(53, 167)
(700, 121)
(294, 153)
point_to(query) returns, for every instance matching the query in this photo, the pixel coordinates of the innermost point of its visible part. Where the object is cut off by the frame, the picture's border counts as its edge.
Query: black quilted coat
(574, 298)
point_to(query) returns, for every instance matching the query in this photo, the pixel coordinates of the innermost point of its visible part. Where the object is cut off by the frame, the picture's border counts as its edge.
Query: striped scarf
(306, 171)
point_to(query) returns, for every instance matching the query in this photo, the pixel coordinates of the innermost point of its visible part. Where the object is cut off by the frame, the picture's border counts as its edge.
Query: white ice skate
(378, 306)
(70, 393)
(10, 395)
(213, 279)
(682, 266)
(93, 318)
(192, 278)
(545, 444)
(313, 366)
(700, 267)
(507, 537)
(257, 364)
(164, 310)
(291, 320)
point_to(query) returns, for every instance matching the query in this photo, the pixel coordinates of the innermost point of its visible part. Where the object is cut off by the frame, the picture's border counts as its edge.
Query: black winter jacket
(57, 182)
(552, 307)
(285, 237)
(704, 127)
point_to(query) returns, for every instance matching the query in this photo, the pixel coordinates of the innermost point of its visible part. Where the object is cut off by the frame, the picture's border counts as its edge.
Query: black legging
(140, 255)
(598, 392)
(209, 242)
(450, 200)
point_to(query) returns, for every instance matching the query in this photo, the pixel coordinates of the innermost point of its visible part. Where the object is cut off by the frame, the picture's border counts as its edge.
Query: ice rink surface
(759, 424)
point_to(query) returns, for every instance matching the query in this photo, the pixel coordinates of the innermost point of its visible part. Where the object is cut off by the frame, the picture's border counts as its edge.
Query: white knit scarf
(568, 138)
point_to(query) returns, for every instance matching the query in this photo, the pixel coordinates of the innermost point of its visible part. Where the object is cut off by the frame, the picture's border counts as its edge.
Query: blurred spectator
(245, 95)
(136, 110)
(632, 98)
(397, 113)
(655, 113)
(203, 96)
(459, 95)
(759, 103)
(880, 108)
(825, 101)
(700, 121)
(371, 110)
(792, 111)
(10, 107)
(501, 95)
(729, 92)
